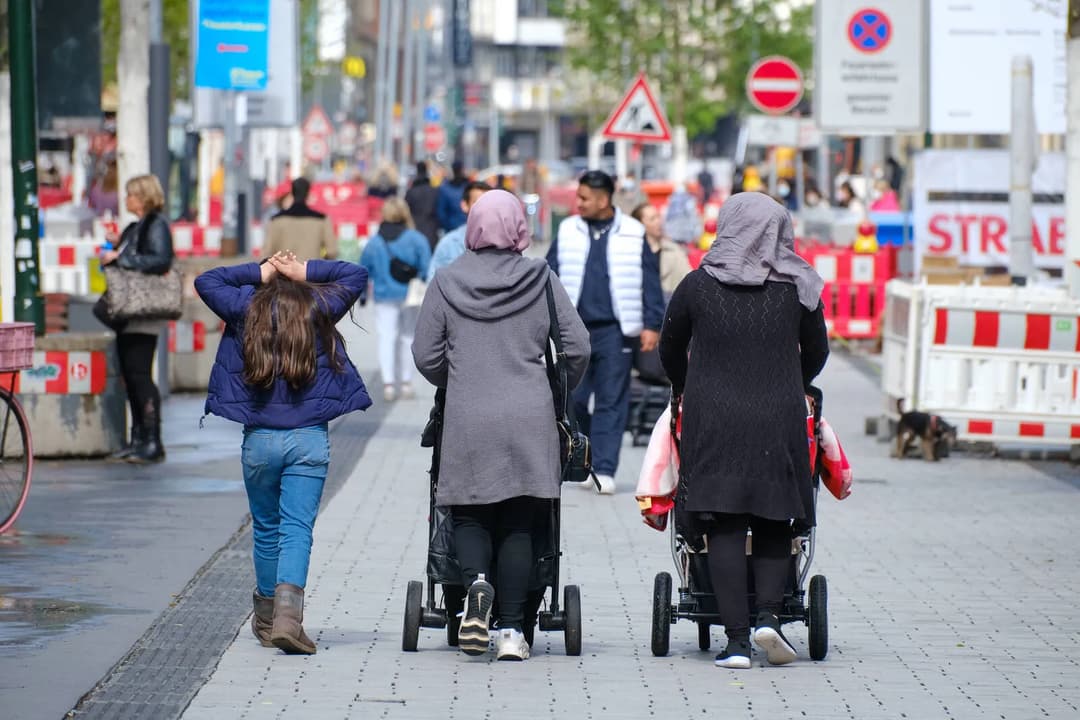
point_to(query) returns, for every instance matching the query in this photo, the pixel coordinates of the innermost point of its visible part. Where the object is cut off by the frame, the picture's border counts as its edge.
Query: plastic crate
(16, 346)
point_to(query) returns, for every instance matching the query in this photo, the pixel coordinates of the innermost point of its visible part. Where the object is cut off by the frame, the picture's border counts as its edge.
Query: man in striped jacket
(613, 278)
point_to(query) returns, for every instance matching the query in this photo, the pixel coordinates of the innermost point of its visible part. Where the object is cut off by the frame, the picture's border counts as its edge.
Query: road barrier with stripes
(62, 373)
(854, 292)
(1000, 363)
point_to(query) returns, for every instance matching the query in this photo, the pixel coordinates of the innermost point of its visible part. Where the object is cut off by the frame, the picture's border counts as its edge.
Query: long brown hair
(285, 324)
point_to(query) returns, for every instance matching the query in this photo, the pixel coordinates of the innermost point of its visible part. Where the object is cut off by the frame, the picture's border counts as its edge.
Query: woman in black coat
(145, 246)
(743, 338)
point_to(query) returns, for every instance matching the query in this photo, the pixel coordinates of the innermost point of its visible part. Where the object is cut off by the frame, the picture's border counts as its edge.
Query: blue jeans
(608, 380)
(284, 473)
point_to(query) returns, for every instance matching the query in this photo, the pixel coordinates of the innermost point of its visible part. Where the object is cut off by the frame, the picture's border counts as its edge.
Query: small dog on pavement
(935, 435)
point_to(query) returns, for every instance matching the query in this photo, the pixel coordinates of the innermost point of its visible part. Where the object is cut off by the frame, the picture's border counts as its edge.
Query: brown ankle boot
(288, 632)
(262, 621)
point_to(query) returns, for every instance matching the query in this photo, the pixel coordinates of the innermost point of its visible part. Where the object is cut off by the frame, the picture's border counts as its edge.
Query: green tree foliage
(697, 51)
(175, 30)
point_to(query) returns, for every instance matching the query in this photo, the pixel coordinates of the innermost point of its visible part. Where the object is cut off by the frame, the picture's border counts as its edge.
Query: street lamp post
(29, 304)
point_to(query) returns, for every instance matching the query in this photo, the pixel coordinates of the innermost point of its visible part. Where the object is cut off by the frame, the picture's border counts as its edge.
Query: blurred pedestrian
(104, 195)
(452, 244)
(299, 229)
(282, 371)
(450, 192)
(482, 335)
(144, 246)
(682, 222)
(613, 278)
(672, 258)
(849, 200)
(706, 184)
(394, 257)
(753, 315)
(886, 200)
(384, 181)
(894, 174)
(629, 194)
(423, 199)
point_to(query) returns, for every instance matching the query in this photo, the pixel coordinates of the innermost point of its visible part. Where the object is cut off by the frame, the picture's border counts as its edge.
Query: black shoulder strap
(557, 365)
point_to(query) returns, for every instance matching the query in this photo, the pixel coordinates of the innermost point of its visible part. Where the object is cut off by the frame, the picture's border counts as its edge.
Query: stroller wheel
(572, 620)
(661, 615)
(704, 636)
(819, 617)
(410, 634)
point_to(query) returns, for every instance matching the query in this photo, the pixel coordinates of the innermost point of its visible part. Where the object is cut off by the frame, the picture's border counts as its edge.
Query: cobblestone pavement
(951, 596)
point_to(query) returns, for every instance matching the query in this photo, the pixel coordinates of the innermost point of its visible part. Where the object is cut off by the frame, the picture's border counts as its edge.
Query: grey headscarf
(754, 243)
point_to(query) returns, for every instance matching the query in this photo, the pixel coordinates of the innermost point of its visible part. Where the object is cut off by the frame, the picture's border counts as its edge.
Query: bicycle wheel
(16, 459)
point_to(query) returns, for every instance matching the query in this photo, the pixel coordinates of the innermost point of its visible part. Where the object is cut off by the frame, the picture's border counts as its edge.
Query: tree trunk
(133, 82)
(1072, 151)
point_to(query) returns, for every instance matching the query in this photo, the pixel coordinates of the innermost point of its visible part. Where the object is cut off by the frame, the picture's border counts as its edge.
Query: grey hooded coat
(481, 334)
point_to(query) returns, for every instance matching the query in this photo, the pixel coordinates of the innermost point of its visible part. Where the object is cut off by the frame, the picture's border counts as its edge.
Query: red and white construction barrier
(1001, 363)
(186, 336)
(854, 292)
(63, 373)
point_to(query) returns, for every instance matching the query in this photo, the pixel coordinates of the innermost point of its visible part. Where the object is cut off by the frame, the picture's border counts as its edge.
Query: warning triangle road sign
(638, 117)
(317, 123)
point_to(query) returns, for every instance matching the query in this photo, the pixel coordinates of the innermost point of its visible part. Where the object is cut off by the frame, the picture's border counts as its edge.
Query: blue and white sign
(869, 65)
(432, 114)
(232, 44)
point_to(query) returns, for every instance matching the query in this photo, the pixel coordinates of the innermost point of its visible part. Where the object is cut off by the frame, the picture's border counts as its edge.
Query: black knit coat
(742, 358)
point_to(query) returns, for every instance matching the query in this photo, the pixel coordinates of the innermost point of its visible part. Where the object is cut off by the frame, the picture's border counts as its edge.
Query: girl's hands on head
(267, 270)
(287, 264)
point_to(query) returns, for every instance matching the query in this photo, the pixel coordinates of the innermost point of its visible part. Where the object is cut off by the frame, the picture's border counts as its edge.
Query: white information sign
(972, 45)
(772, 130)
(869, 57)
(961, 207)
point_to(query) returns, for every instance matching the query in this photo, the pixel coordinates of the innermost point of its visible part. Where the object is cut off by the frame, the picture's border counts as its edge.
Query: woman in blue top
(394, 256)
(283, 372)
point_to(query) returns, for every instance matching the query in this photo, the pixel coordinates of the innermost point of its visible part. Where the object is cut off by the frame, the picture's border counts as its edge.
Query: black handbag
(575, 451)
(400, 270)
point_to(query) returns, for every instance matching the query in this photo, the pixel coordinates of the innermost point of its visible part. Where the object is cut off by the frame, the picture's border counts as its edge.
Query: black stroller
(649, 394)
(697, 603)
(443, 569)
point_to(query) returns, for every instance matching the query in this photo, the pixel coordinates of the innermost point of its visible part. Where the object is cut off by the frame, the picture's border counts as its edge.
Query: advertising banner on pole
(232, 44)
(961, 207)
(972, 45)
(870, 66)
(278, 103)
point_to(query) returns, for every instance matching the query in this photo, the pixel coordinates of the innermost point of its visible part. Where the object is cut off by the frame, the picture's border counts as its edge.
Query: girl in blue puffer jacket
(282, 371)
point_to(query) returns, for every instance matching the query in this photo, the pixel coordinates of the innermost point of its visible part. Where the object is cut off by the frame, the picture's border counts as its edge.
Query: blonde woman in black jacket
(145, 246)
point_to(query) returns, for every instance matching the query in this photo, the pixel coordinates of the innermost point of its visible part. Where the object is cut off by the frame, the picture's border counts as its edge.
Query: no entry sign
(774, 85)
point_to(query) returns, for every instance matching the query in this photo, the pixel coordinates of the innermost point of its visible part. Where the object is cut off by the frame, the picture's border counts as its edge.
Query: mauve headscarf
(754, 243)
(497, 220)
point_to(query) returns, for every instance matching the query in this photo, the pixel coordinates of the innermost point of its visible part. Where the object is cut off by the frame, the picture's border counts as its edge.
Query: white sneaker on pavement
(389, 393)
(510, 645)
(605, 484)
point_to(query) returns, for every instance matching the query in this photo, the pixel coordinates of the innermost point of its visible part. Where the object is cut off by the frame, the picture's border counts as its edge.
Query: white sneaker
(389, 393)
(510, 645)
(407, 392)
(605, 484)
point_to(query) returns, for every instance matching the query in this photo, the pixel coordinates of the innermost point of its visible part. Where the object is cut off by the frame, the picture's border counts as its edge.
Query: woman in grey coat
(481, 334)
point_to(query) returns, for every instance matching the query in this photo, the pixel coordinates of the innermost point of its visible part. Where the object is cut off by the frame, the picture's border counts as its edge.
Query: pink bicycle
(16, 450)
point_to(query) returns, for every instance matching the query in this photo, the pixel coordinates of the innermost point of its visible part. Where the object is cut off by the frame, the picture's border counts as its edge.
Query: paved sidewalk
(952, 589)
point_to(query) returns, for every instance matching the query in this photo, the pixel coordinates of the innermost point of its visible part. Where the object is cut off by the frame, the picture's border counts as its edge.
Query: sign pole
(1021, 165)
(29, 303)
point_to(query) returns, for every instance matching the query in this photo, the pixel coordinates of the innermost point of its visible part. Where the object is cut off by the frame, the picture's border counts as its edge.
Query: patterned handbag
(134, 295)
